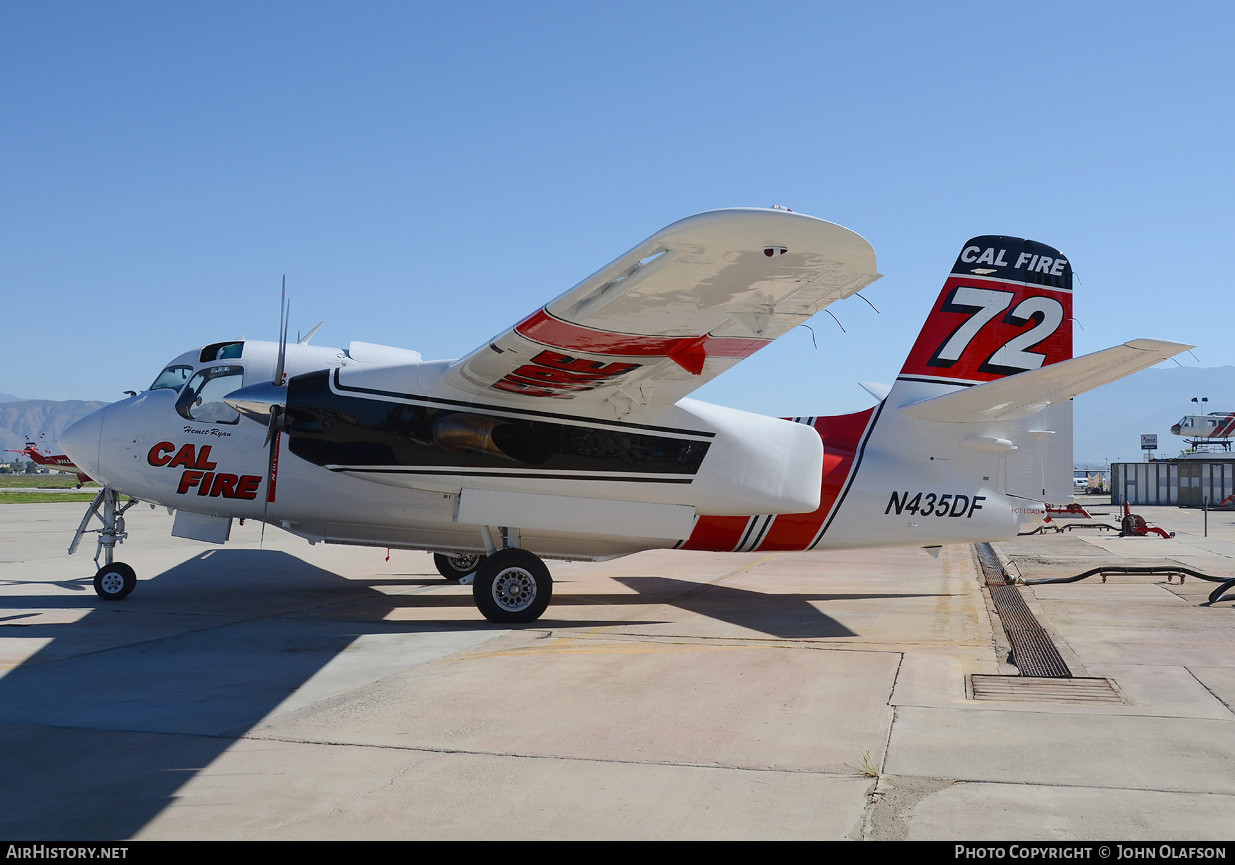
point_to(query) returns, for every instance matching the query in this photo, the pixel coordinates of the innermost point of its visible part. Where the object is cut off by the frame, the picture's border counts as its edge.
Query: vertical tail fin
(1005, 308)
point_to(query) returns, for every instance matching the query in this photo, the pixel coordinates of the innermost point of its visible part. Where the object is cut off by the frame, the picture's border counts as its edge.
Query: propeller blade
(283, 316)
(276, 417)
(272, 469)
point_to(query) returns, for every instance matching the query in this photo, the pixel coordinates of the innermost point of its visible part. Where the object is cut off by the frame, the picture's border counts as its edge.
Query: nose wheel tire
(512, 586)
(455, 568)
(114, 582)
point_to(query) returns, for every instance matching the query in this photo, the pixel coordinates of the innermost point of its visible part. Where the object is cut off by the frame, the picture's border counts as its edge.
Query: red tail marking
(981, 330)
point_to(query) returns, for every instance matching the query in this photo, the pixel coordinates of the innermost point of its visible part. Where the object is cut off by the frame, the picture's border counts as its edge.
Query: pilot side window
(202, 400)
(172, 378)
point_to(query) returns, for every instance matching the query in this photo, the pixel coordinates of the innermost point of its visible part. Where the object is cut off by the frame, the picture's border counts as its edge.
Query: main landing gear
(114, 581)
(512, 586)
(457, 567)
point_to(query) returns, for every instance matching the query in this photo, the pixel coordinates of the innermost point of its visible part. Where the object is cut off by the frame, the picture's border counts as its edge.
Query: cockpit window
(222, 351)
(172, 378)
(202, 400)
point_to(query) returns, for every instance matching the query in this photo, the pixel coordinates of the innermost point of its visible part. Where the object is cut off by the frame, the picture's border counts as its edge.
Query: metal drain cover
(1031, 689)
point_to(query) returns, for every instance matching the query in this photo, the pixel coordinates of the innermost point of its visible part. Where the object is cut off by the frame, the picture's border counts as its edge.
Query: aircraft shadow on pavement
(120, 708)
(123, 706)
(784, 615)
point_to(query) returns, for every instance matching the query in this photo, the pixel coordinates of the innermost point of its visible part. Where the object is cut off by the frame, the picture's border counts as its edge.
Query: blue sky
(427, 174)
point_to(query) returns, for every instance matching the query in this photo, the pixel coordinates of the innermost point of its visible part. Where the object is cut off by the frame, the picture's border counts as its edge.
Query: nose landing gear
(114, 581)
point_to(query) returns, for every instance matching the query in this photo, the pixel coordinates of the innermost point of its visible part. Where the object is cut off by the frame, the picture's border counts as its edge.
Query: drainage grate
(991, 567)
(1030, 689)
(1033, 651)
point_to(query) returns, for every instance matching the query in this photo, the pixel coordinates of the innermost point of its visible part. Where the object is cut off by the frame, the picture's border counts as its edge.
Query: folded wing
(673, 313)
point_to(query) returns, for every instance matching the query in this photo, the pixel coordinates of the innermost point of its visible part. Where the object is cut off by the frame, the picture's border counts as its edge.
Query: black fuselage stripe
(750, 526)
(511, 475)
(756, 530)
(586, 421)
(951, 381)
(761, 531)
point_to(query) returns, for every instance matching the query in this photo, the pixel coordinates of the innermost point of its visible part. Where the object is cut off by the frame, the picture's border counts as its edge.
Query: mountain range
(1108, 422)
(23, 420)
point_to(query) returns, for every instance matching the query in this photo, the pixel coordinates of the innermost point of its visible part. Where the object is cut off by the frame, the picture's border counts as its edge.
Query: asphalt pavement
(325, 692)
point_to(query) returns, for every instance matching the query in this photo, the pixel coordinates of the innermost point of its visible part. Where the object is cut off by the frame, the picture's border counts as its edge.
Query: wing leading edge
(676, 311)
(1028, 393)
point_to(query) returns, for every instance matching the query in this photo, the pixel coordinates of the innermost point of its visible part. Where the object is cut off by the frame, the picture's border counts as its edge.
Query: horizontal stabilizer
(1028, 393)
(877, 389)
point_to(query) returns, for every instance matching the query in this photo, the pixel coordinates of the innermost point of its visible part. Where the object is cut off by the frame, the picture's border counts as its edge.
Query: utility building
(1187, 482)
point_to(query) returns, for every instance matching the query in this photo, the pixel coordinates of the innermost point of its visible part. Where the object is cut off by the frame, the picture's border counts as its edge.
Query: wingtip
(1159, 345)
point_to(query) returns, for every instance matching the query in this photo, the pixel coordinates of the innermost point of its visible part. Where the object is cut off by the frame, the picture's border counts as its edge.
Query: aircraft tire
(455, 568)
(512, 586)
(115, 582)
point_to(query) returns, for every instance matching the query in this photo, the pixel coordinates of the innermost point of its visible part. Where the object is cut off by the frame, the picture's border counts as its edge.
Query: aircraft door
(1189, 484)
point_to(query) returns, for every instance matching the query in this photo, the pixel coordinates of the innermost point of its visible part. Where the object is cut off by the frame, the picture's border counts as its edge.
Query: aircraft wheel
(512, 586)
(114, 582)
(455, 568)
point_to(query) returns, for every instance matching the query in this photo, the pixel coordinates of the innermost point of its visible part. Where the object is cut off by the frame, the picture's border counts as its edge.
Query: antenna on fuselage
(304, 340)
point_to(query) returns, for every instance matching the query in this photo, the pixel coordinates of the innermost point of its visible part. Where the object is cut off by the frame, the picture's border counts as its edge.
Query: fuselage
(379, 450)
(1216, 425)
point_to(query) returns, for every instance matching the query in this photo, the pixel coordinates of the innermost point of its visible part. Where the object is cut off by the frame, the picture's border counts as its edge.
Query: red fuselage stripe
(1226, 426)
(719, 534)
(841, 436)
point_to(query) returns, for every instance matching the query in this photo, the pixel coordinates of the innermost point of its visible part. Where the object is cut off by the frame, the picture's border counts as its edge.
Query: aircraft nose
(82, 440)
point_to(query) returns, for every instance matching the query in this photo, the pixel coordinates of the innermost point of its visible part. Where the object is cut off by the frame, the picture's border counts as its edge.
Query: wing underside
(674, 312)
(1030, 392)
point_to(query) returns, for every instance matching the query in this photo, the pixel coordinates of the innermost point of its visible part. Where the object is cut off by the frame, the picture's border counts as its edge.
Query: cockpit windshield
(172, 378)
(202, 400)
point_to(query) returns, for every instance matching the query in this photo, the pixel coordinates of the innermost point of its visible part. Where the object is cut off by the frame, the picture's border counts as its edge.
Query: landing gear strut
(114, 580)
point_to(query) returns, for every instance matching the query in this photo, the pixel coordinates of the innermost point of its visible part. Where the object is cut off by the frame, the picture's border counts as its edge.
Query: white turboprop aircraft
(570, 435)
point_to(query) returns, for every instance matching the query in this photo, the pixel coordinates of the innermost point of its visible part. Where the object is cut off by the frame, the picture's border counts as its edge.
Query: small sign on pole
(1149, 441)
